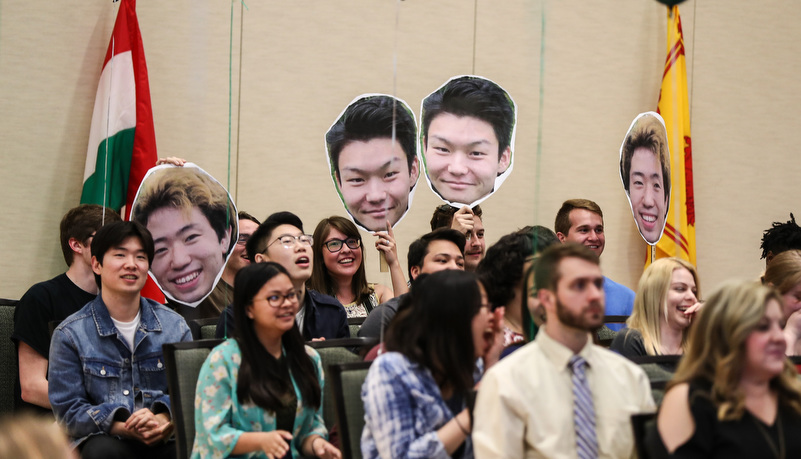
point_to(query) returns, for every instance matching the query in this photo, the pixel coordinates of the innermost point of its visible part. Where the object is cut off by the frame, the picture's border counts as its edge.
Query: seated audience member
(30, 436)
(438, 250)
(561, 393)
(339, 267)
(415, 394)
(280, 238)
(192, 222)
(502, 271)
(666, 302)
(582, 221)
(468, 222)
(223, 293)
(53, 301)
(735, 394)
(780, 237)
(784, 274)
(260, 394)
(108, 384)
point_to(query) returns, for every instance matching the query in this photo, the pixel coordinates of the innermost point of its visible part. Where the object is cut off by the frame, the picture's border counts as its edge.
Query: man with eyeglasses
(223, 293)
(281, 239)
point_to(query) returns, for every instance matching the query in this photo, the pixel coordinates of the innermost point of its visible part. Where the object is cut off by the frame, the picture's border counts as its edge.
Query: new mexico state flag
(122, 142)
(678, 239)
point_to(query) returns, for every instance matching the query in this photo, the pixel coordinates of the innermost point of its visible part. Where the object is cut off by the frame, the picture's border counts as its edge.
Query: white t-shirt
(128, 329)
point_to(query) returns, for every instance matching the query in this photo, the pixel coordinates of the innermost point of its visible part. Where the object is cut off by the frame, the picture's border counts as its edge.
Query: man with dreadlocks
(779, 238)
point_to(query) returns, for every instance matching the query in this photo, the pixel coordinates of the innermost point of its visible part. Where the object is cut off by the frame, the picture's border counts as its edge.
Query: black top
(324, 318)
(49, 301)
(747, 437)
(285, 416)
(628, 342)
(380, 317)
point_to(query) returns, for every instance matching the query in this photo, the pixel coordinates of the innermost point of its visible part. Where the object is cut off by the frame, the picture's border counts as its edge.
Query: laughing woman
(259, 395)
(666, 301)
(735, 394)
(415, 393)
(339, 267)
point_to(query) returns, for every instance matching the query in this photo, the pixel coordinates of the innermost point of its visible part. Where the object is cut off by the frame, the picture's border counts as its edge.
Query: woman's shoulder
(628, 342)
(382, 292)
(675, 420)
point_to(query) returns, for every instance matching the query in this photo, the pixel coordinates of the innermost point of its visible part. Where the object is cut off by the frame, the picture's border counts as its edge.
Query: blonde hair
(716, 348)
(650, 304)
(784, 271)
(28, 436)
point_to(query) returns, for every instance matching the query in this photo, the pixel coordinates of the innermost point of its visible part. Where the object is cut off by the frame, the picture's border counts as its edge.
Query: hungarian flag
(122, 142)
(679, 237)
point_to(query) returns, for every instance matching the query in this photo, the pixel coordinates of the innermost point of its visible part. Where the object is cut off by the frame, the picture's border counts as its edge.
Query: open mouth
(303, 262)
(346, 261)
(186, 280)
(648, 220)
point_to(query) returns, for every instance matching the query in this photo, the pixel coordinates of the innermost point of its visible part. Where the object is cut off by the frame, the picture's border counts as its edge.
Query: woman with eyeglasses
(338, 268)
(260, 394)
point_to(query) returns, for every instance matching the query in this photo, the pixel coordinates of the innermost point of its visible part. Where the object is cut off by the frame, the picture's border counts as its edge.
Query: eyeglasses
(335, 245)
(243, 239)
(289, 241)
(276, 301)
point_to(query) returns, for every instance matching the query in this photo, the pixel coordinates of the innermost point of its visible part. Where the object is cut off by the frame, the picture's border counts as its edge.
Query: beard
(581, 320)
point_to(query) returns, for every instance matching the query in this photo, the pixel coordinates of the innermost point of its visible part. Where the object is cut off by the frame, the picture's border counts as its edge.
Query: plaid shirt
(403, 410)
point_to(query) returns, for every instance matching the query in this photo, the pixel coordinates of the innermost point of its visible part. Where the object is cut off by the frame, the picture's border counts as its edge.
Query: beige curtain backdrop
(303, 61)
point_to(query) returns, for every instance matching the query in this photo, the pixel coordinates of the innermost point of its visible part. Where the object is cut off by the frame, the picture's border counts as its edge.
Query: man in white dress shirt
(525, 405)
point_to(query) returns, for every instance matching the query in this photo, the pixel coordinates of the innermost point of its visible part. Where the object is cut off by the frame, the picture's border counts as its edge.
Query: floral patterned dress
(220, 417)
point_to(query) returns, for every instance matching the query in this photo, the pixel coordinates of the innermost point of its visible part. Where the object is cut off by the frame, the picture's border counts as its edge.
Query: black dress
(747, 437)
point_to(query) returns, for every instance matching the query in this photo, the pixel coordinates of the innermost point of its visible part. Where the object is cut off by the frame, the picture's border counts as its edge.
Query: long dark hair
(321, 279)
(433, 327)
(259, 377)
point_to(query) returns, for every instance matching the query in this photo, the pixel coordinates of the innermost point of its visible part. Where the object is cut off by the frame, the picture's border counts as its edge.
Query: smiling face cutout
(372, 156)
(194, 227)
(467, 139)
(645, 173)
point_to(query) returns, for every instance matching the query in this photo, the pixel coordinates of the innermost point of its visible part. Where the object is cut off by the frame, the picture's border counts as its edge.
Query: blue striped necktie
(583, 411)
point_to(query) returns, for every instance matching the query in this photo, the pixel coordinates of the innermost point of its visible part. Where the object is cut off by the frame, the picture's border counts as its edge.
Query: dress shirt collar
(558, 353)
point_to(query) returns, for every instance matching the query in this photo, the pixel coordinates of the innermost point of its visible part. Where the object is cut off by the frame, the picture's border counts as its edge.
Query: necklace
(777, 453)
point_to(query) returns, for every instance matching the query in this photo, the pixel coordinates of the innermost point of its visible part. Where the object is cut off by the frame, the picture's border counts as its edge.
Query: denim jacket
(94, 379)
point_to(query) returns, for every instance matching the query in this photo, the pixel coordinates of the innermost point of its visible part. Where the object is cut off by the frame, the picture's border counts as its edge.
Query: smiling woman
(194, 227)
(339, 267)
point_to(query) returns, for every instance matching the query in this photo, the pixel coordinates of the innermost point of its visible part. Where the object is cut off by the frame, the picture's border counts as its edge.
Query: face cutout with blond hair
(645, 173)
(194, 226)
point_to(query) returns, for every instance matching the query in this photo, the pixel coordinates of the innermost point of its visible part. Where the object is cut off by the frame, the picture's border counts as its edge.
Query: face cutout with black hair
(467, 137)
(372, 156)
(194, 225)
(645, 174)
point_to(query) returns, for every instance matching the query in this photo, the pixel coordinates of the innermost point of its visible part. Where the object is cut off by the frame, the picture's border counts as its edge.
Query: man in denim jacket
(108, 384)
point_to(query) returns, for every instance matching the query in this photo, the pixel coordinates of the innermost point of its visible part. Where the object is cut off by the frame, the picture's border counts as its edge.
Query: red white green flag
(122, 142)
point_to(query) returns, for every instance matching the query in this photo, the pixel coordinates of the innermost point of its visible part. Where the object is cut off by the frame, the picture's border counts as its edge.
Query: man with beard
(561, 394)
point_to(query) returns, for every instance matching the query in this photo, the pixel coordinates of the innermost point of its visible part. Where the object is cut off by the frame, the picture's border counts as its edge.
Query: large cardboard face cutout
(467, 137)
(645, 173)
(194, 226)
(374, 167)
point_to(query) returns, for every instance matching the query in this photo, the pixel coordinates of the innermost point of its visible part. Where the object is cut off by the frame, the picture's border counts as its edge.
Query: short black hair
(372, 117)
(781, 237)
(476, 97)
(443, 215)
(113, 234)
(501, 269)
(419, 248)
(259, 239)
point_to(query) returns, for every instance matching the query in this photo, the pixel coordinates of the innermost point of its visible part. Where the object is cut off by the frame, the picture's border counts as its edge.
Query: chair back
(8, 356)
(184, 361)
(659, 369)
(335, 352)
(346, 380)
(354, 324)
(640, 424)
(202, 328)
